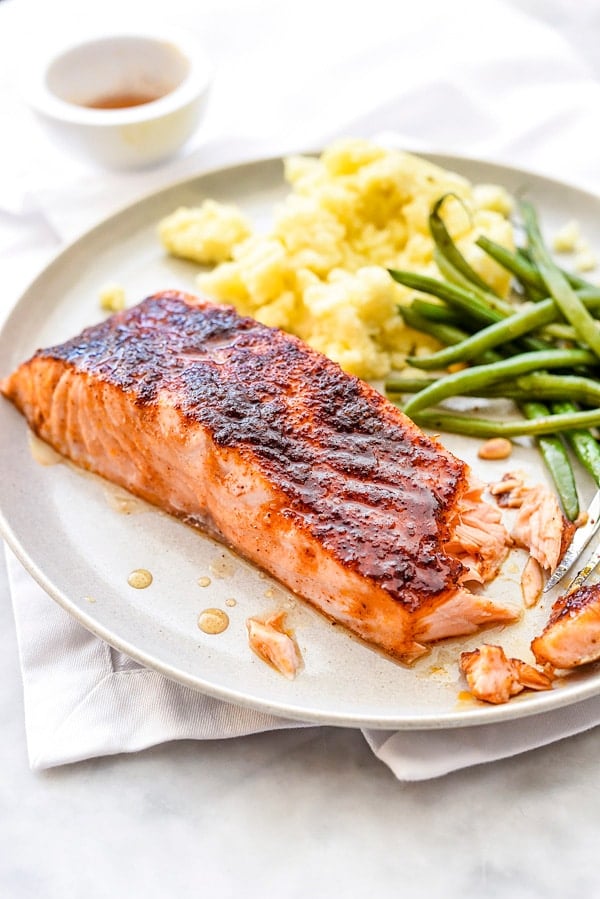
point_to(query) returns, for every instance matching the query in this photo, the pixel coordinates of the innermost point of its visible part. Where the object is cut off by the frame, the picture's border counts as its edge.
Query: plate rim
(527, 705)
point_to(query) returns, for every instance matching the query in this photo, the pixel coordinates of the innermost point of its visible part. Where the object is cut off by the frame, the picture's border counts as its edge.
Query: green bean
(443, 332)
(448, 249)
(451, 273)
(521, 322)
(447, 334)
(559, 288)
(459, 272)
(519, 264)
(543, 386)
(557, 462)
(456, 277)
(436, 312)
(489, 300)
(590, 297)
(563, 309)
(482, 427)
(546, 386)
(494, 335)
(482, 375)
(457, 297)
(510, 390)
(515, 263)
(574, 280)
(525, 388)
(407, 385)
(559, 331)
(583, 443)
(530, 291)
(462, 299)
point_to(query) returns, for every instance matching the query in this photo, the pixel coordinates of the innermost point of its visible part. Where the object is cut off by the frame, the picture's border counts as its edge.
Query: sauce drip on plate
(140, 578)
(42, 452)
(213, 621)
(221, 567)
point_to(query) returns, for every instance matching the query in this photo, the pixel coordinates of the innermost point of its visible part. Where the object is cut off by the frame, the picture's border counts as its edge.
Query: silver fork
(588, 569)
(580, 540)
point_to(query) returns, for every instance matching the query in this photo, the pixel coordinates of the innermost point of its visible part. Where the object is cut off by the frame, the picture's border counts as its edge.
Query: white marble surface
(292, 814)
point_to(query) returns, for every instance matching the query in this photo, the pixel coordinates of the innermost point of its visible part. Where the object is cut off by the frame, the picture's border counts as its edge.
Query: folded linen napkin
(506, 88)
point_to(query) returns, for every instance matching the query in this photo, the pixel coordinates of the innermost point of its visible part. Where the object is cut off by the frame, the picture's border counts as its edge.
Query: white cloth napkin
(477, 79)
(84, 699)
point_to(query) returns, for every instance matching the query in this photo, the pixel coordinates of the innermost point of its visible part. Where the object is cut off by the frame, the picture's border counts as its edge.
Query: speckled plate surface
(69, 530)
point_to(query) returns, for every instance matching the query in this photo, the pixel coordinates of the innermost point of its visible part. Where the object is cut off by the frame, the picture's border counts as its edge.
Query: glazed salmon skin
(267, 445)
(572, 635)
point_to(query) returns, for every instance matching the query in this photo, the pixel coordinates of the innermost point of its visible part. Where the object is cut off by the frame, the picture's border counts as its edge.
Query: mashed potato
(112, 297)
(321, 271)
(205, 234)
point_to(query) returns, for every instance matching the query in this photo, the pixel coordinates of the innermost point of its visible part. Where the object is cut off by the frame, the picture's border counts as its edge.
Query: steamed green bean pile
(540, 349)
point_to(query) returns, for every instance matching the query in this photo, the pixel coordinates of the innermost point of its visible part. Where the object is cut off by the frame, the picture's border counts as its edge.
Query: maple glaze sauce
(42, 452)
(122, 100)
(213, 621)
(140, 578)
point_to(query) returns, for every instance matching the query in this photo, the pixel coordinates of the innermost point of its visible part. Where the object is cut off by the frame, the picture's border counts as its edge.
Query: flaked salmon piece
(540, 526)
(572, 635)
(494, 678)
(479, 538)
(269, 446)
(532, 678)
(272, 643)
(505, 488)
(490, 675)
(532, 582)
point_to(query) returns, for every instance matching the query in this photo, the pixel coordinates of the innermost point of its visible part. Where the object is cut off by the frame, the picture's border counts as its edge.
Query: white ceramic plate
(64, 526)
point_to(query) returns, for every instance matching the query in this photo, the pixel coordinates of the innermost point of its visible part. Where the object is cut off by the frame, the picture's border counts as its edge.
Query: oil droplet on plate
(213, 621)
(465, 696)
(139, 578)
(122, 501)
(89, 599)
(231, 602)
(221, 567)
(41, 451)
(204, 581)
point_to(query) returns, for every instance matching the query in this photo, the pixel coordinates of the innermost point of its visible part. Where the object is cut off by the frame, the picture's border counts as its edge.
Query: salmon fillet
(572, 635)
(264, 443)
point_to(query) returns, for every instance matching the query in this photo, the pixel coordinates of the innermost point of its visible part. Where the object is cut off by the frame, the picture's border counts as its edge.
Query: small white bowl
(170, 73)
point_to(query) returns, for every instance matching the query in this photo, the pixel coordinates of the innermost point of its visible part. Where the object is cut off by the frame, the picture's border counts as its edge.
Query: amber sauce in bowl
(121, 101)
(125, 100)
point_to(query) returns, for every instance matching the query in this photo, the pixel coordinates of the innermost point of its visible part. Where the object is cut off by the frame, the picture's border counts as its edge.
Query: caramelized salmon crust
(572, 634)
(261, 441)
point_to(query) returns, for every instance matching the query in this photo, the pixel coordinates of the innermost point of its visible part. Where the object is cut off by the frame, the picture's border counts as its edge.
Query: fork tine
(587, 570)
